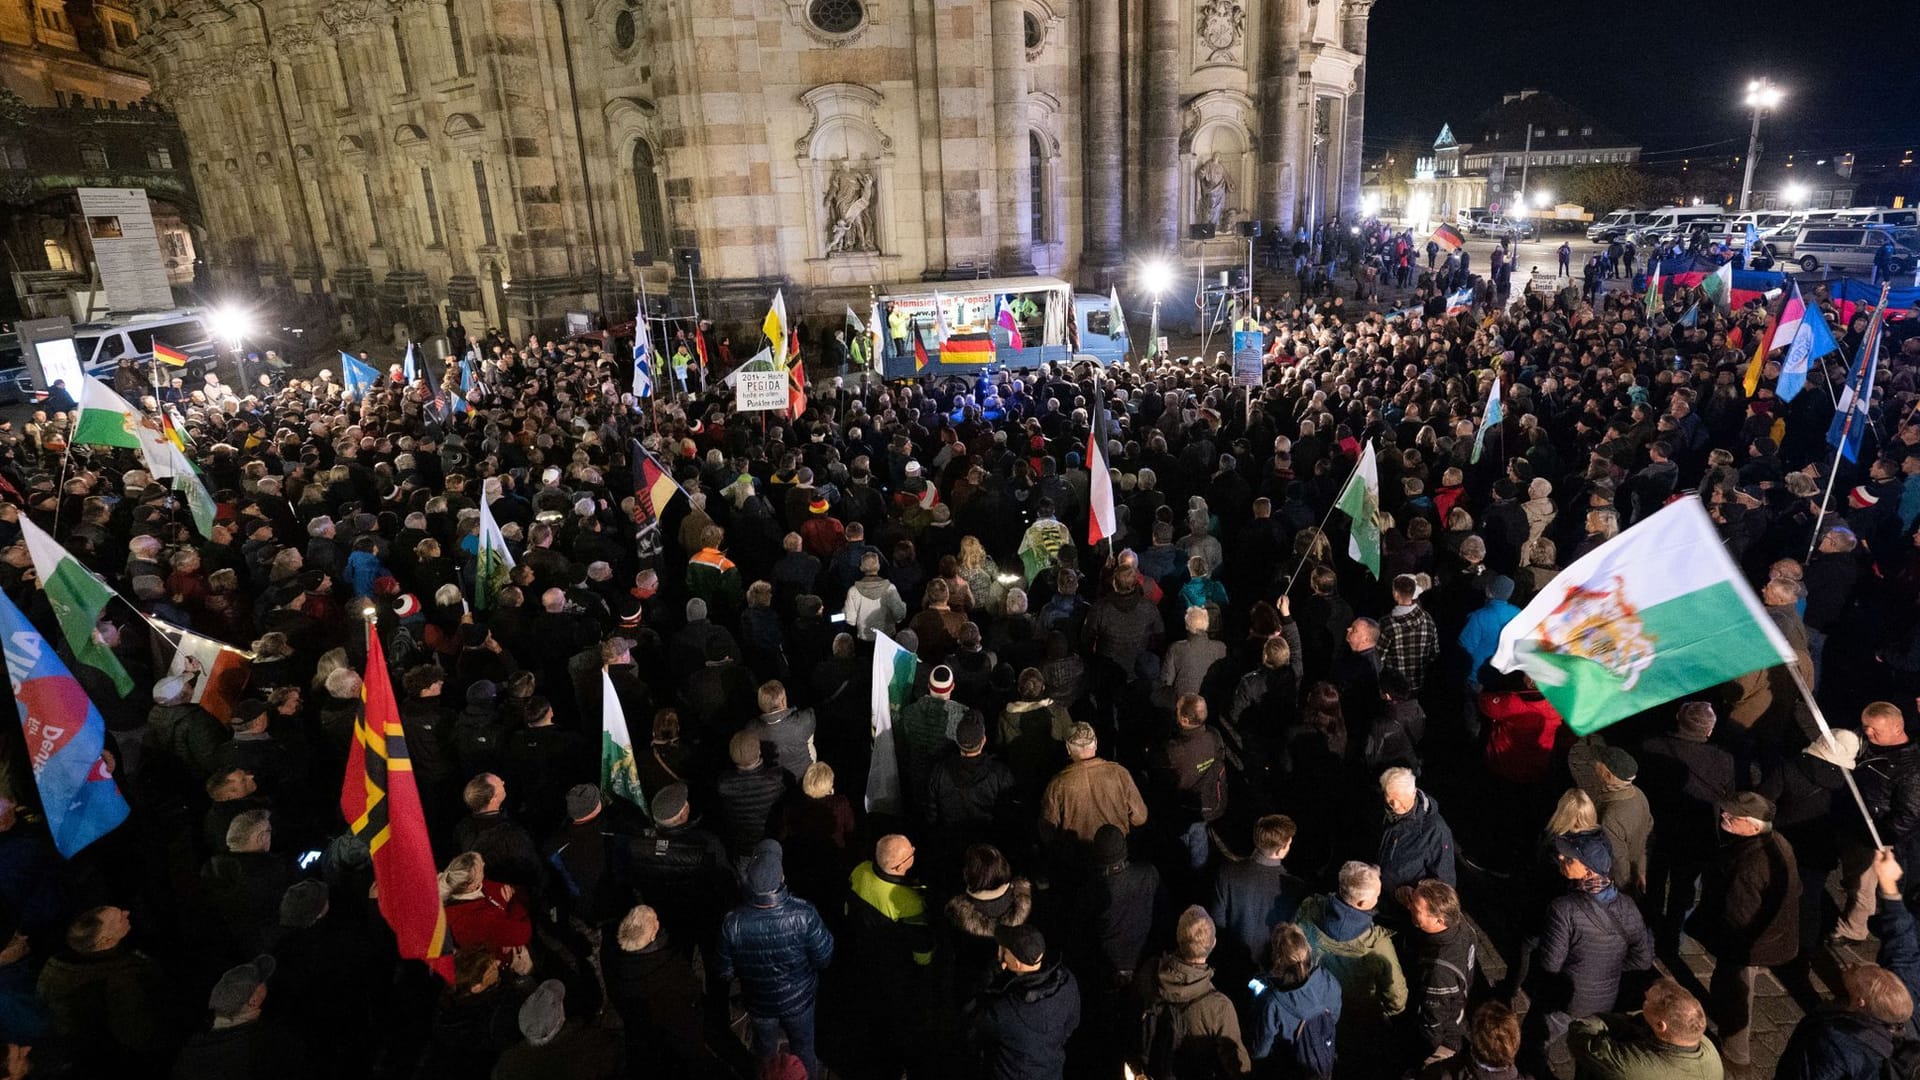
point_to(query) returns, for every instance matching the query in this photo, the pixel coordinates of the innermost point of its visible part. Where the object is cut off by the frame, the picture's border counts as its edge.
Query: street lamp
(1156, 276)
(232, 325)
(1543, 199)
(1761, 96)
(1796, 193)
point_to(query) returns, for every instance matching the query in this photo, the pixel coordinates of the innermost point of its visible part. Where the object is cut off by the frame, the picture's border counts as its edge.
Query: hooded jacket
(1616, 1047)
(972, 918)
(1279, 1009)
(775, 943)
(874, 604)
(1019, 1027)
(1209, 1043)
(1360, 956)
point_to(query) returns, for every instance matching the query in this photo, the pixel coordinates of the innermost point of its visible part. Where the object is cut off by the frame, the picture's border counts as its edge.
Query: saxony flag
(493, 559)
(1360, 501)
(77, 598)
(893, 672)
(1654, 614)
(618, 774)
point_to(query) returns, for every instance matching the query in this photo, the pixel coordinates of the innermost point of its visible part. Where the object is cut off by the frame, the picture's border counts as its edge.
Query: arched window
(456, 39)
(1037, 162)
(653, 217)
(57, 258)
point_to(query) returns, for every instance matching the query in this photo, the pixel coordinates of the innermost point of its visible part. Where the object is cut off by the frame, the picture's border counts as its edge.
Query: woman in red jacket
(482, 913)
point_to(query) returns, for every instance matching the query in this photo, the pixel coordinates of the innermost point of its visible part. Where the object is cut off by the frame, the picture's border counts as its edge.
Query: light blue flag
(1811, 341)
(357, 377)
(1495, 413)
(65, 738)
(1849, 425)
(466, 386)
(408, 368)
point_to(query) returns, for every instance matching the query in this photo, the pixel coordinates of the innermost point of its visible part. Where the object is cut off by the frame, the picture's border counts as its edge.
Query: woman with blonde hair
(816, 830)
(484, 914)
(982, 575)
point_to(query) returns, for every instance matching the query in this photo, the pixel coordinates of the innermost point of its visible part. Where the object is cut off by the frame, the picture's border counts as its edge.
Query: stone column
(1353, 38)
(1105, 199)
(1161, 219)
(1279, 115)
(1012, 150)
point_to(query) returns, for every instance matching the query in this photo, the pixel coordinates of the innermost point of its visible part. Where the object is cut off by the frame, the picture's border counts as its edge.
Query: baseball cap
(1025, 942)
(235, 989)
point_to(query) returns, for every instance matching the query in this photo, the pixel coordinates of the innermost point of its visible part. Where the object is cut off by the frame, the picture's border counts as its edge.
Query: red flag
(700, 347)
(796, 388)
(382, 806)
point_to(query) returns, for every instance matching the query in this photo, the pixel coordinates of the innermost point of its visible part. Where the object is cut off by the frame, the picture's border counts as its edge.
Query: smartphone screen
(1256, 986)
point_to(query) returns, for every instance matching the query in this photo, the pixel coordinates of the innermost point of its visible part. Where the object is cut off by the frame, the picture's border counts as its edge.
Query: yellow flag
(1752, 382)
(775, 324)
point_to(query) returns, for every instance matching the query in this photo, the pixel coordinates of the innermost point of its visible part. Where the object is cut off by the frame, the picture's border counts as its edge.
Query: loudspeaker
(1200, 230)
(687, 258)
(1250, 230)
(643, 258)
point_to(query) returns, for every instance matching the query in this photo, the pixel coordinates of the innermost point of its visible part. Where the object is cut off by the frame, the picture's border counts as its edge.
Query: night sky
(1668, 73)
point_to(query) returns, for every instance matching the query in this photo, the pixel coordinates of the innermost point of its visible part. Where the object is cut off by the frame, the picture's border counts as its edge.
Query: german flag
(169, 356)
(1449, 238)
(968, 347)
(382, 806)
(920, 360)
(653, 486)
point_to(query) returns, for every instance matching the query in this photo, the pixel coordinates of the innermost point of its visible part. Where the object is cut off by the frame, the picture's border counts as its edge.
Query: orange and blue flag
(65, 736)
(381, 803)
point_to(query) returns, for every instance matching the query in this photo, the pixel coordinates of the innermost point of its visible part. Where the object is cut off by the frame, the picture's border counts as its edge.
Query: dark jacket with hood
(1209, 1042)
(1280, 1007)
(1019, 1027)
(775, 942)
(973, 919)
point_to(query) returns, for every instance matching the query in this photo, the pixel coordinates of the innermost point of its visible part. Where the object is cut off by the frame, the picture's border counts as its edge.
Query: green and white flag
(1360, 501)
(618, 774)
(107, 419)
(893, 672)
(1719, 288)
(1654, 614)
(494, 560)
(77, 598)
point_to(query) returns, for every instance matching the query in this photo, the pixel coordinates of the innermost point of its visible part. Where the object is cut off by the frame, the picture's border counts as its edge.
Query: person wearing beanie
(1481, 635)
(750, 794)
(1593, 934)
(326, 962)
(1018, 1028)
(1115, 911)
(1685, 777)
(776, 944)
(1805, 790)
(588, 856)
(1749, 916)
(821, 534)
(924, 731)
(682, 869)
(970, 794)
(1339, 929)
(553, 1045)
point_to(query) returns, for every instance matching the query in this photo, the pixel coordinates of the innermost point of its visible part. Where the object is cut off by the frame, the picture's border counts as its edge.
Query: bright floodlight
(1156, 276)
(1370, 205)
(1795, 193)
(1763, 95)
(231, 324)
(1419, 207)
(1543, 199)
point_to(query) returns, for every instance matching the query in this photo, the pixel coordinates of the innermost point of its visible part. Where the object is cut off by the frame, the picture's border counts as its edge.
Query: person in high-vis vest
(898, 326)
(893, 948)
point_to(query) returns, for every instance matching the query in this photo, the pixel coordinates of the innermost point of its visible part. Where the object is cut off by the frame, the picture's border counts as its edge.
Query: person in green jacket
(1665, 1040)
(1360, 956)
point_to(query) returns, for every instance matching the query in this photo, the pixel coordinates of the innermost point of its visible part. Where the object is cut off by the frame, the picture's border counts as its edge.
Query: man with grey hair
(1415, 841)
(1360, 956)
(243, 885)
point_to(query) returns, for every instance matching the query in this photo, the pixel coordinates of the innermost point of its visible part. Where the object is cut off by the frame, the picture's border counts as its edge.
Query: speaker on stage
(687, 258)
(1250, 230)
(1200, 230)
(643, 259)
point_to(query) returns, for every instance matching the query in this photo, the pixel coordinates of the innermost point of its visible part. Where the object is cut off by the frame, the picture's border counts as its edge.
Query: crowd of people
(1205, 798)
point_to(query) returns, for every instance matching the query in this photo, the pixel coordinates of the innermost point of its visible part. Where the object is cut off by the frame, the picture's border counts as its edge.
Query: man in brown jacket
(1088, 793)
(1749, 915)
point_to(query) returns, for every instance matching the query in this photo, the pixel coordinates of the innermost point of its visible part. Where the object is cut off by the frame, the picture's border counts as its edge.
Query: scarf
(1598, 886)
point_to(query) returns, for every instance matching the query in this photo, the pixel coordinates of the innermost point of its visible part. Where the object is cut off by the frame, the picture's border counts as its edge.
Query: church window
(1037, 162)
(625, 30)
(1035, 34)
(646, 182)
(836, 16)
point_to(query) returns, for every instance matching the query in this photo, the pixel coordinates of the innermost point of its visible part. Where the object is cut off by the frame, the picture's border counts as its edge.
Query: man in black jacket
(750, 794)
(1684, 777)
(970, 794)
(1445, 958)
(1250, 898)
(1888, 774)
(1019, 1027)
(506, 845)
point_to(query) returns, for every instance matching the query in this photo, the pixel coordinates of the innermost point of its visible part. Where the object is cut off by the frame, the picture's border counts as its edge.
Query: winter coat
(1033, 738)
(1749, 911)
(1086, 795)
(1889, 779)
(789, 733)
(259, 1050)
(1209, 1041)
(1616, 1047)
(1481, 635)
(1360, 956)
(748, 800)
(1019, 1027)
(656, 991)
(777, 945)
(580, 1051)
(363, 569)
(1121, 627)
(1191, 768)
(922, 732)
(967, 796)
(1417, 844)
(187, 738)
(1522, 729)
(110, 1007)
(1114, 915)
(1446, 962)
(492, 920)
(1685, 779)
(507, 847)
(1838, 1046)
(971, 920)
(1589, 941)
(1188, 662)
(874, 604)
(1250, 898)
(1279, 1010)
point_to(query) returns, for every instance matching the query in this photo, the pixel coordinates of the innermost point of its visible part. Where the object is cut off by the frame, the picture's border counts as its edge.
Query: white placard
(126, 248)
(760, 391)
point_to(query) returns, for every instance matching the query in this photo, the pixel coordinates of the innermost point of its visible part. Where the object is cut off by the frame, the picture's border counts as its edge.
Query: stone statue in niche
(850, 197)
(1214, 184)
(1220, 24)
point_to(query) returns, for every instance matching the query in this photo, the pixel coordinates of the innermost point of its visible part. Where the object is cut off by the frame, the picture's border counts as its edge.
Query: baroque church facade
(512, 160)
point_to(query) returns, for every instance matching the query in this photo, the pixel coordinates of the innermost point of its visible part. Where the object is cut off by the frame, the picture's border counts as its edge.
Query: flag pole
(1321, 531)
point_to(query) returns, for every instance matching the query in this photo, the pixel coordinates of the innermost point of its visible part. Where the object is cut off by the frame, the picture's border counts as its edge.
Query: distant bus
(1053, 323)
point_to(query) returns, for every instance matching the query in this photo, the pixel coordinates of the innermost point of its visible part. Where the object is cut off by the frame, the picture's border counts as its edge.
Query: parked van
(1616, 225)
(1672, 221)
(1903, 218)
(99, 347)
(1850, 248)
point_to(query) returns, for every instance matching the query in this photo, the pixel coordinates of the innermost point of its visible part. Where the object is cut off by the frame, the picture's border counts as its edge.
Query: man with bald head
(892, 947)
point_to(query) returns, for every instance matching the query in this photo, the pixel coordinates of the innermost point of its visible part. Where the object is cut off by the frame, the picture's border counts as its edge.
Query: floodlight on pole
(1761, 96)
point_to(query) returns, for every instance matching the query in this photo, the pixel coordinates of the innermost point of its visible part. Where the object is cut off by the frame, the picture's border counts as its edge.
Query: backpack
(1311, 1048)
(1161, 1030)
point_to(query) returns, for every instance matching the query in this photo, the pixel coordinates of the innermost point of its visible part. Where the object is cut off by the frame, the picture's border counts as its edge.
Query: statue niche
(850, 198)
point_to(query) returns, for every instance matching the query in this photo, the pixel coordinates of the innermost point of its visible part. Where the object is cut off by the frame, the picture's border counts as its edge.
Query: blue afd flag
(357, 377)
(466, 386)
(409, 365)
(65, 737)
(1849, 425)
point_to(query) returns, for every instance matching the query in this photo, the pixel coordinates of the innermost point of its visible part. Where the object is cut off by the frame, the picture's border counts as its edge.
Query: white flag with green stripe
(893, 671)
(618, 773)
(1656, 613)
(493, 559)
